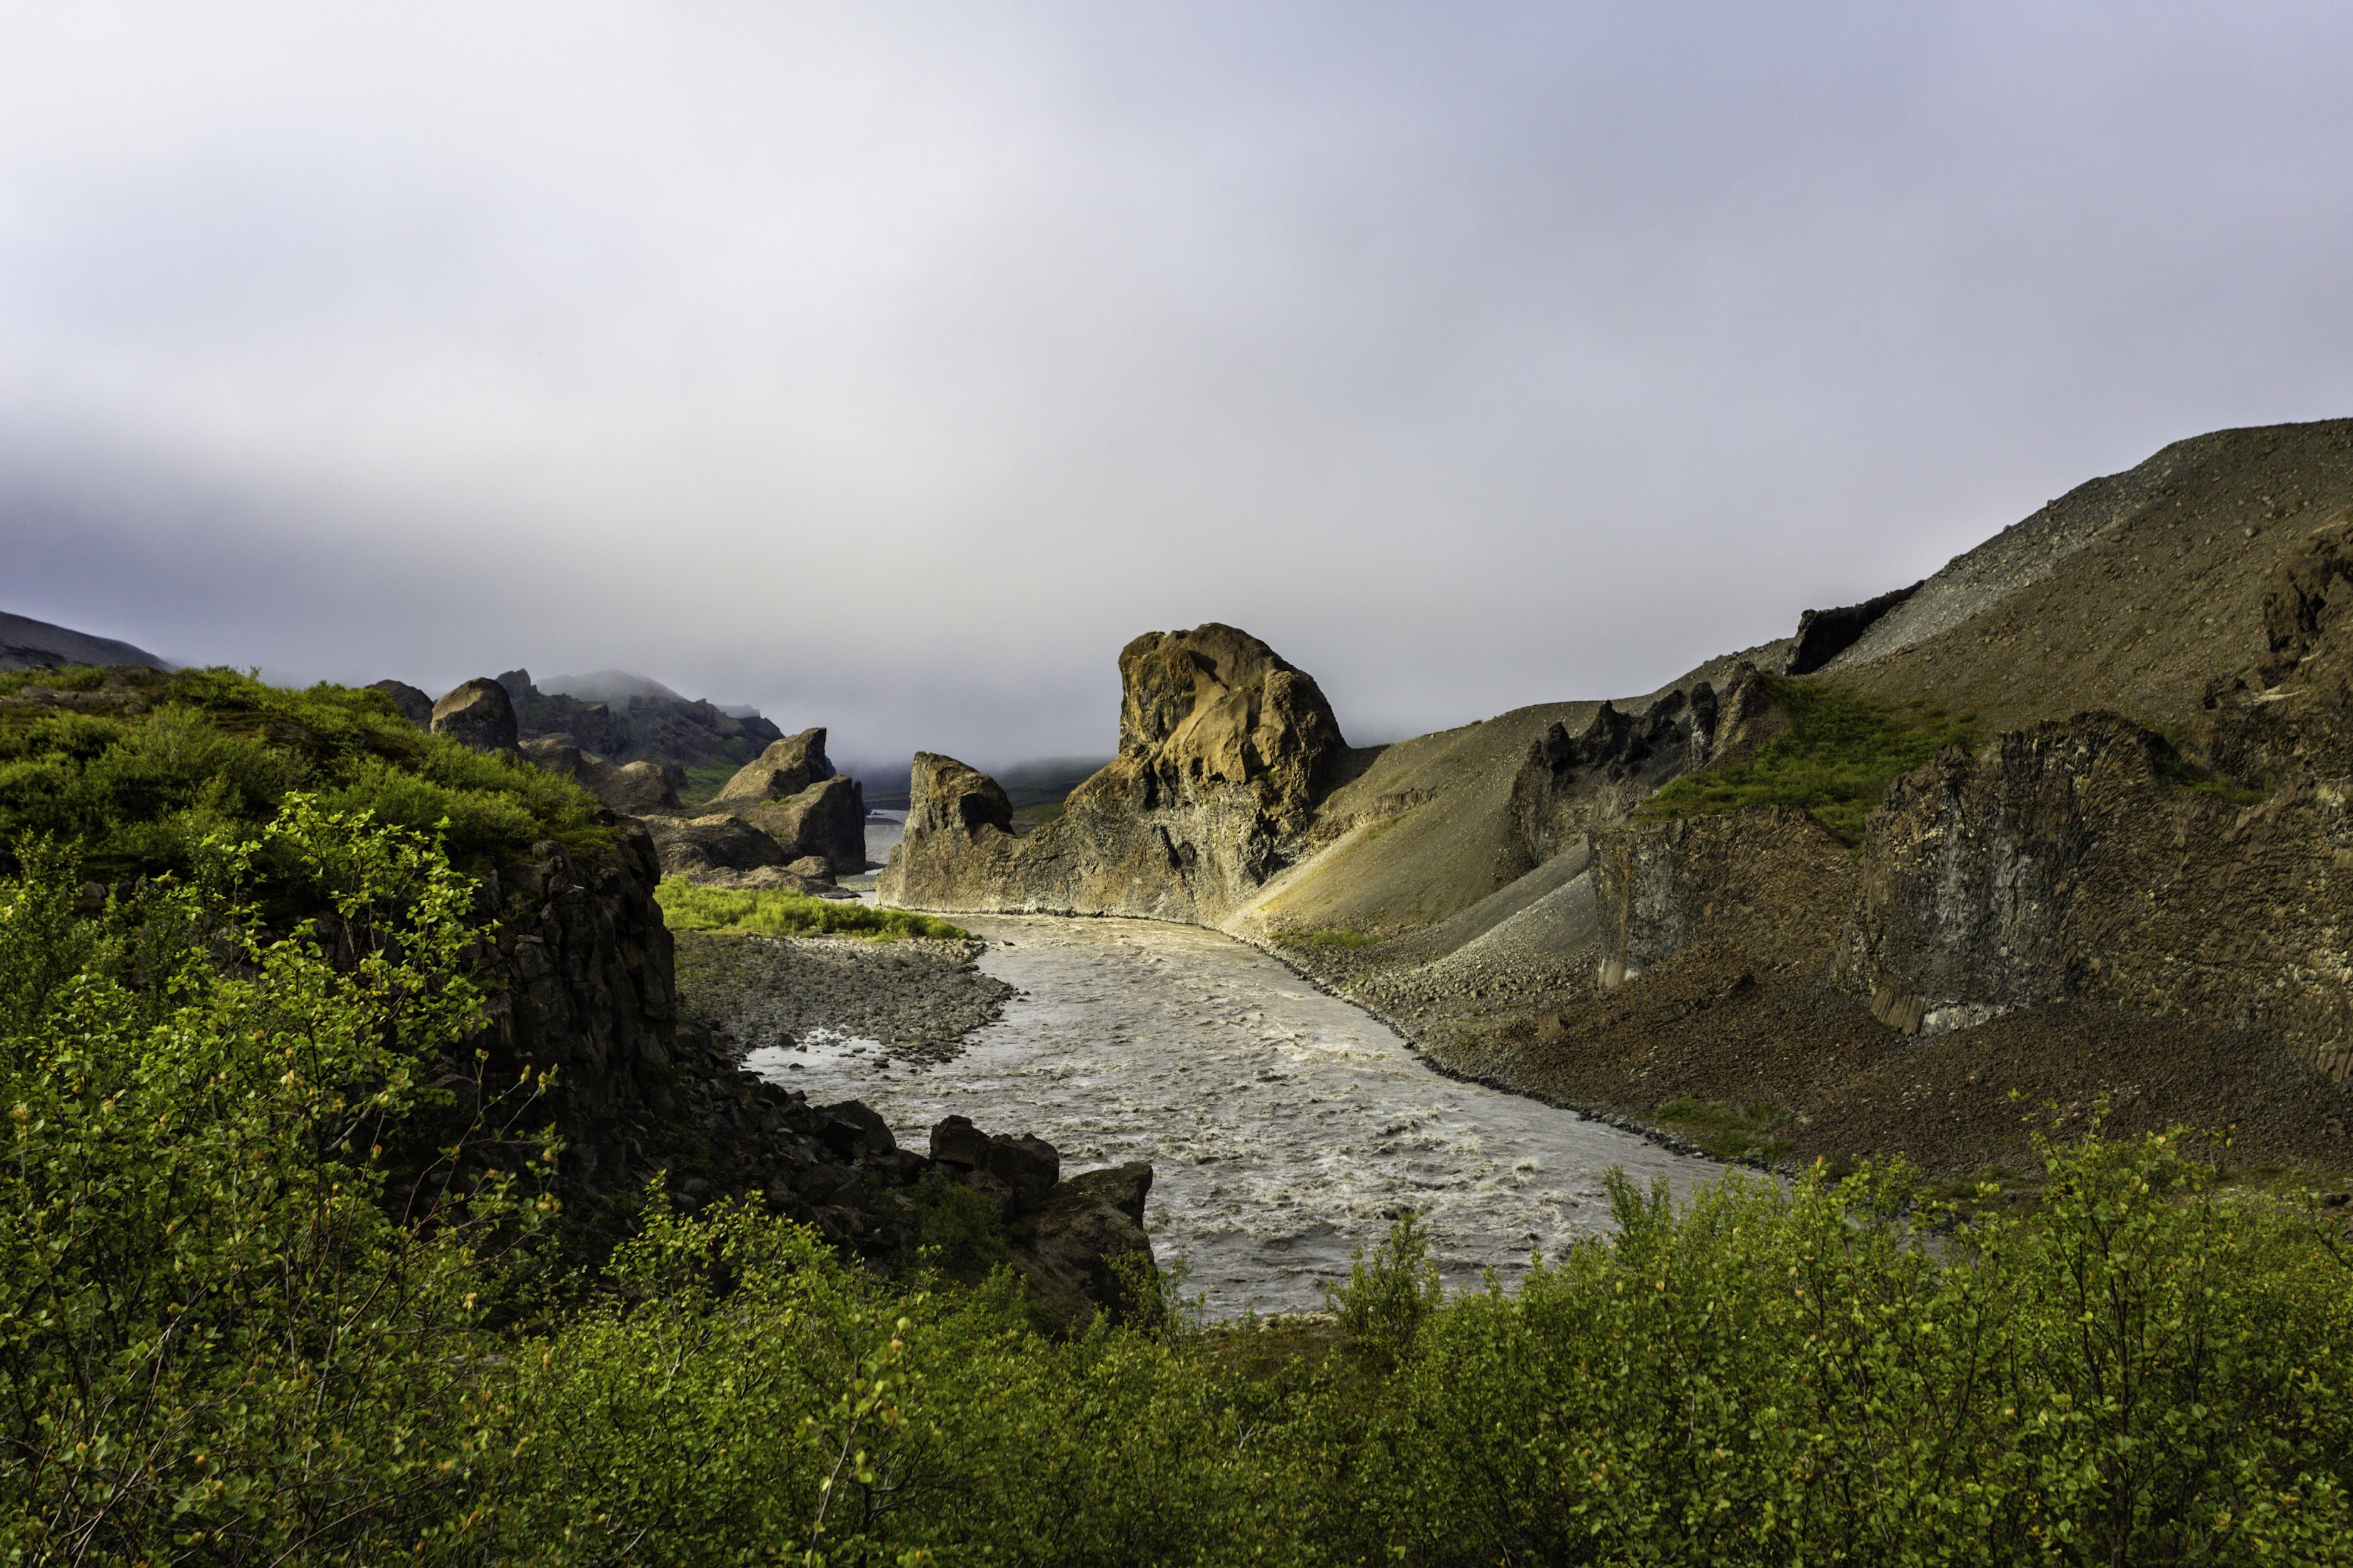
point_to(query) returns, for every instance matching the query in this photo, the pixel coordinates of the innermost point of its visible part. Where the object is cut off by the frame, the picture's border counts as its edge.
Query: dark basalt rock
(1571, 785)
(1824, 634)
(478, 714)
(409, 700)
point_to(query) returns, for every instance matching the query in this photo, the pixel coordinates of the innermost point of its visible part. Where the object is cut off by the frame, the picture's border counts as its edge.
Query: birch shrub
(225, 1334)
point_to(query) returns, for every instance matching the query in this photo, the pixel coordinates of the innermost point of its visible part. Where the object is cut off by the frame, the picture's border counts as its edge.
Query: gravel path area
(914, 1000)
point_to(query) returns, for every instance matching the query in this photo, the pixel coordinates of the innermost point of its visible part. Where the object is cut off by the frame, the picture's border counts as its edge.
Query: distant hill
(28, 644)
(617, 687)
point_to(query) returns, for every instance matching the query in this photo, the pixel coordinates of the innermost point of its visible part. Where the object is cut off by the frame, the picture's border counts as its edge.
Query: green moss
(2175, 764)
(705, 780)
(774, 911)
(1835, 761)
(1729, 1131)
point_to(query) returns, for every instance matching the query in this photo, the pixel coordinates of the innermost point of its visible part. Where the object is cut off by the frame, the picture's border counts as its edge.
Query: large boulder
(693, 846)
(944, 795)
(827, 820)
(478, 714)
(633, 788)
(787, 768)
(412, 702)
(1073, 1251)
(1224, 749)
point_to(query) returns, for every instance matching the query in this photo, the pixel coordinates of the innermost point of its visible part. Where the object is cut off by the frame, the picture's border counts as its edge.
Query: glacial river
(1284, 1127)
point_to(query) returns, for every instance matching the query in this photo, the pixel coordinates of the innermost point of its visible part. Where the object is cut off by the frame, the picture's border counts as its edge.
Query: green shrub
(1343, 938)
(229, 1331)
(776, 911)
(1835, 761)
(1386, 1299)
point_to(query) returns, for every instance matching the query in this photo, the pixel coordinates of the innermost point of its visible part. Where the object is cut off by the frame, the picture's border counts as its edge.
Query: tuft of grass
(1835, 762)
(776, 911)
(1738, 1131)
(704, 781)
(2178, 766)
(1345, 937)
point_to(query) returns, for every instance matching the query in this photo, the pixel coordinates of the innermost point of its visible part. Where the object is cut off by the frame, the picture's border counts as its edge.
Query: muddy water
(1286, 1127)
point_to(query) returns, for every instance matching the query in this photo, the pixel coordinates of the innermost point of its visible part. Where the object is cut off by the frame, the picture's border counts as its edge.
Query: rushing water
(1286, 1127)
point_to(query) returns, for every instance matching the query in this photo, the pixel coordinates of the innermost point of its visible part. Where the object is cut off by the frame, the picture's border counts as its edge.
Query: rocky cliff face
(2076, 861)
(1224, 750)
(1771, 880)
(2070, 861)
(1573, 785)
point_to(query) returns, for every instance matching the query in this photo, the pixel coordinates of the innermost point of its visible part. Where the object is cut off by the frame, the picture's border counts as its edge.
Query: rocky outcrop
(633, 789)
(1224, 750)
(1768, 883)
(476, 714)
(582, 981)
(692, 846)
(2077, 861)
(787, 767)
(647, 727)
(792, 794)
(2081, 861)
(1072, 1250)
(1824, 634)
(1573, 785)
(414, 704)
(825, 821)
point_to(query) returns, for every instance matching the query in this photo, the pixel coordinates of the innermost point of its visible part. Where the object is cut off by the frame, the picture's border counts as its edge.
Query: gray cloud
(890, 366)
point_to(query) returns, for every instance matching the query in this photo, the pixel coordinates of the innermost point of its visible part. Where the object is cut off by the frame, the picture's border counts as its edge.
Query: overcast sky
(890, 365)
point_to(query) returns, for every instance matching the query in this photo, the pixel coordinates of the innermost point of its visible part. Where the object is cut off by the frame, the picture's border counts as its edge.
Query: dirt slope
(1422, 833)
(2131, 593)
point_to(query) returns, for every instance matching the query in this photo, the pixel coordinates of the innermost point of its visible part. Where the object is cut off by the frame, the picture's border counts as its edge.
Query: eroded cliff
(1224, 749)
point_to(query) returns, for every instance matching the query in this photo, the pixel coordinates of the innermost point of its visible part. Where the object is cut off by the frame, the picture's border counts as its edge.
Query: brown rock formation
(787, 767)
(478, 714)
(633, 788)
(1224, 748)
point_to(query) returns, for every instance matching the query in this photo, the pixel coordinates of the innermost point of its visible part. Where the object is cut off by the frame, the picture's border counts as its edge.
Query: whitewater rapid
(1286, 1127)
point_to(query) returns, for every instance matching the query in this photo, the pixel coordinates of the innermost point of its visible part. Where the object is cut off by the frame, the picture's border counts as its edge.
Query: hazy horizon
(890, 368)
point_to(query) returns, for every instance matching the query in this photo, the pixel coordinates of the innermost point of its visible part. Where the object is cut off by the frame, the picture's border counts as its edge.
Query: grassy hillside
(136, 767)
(1836, 759)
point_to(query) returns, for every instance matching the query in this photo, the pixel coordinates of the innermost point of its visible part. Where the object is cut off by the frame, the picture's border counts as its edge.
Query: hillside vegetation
(137, 767)
(1834, 760)
(227, 1335)
(774, 911)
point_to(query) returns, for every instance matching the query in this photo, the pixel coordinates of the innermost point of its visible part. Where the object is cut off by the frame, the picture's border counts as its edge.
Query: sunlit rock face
(1224, 748)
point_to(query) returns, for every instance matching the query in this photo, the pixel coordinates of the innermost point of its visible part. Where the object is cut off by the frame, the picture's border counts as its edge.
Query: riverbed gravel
(912, 1000)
